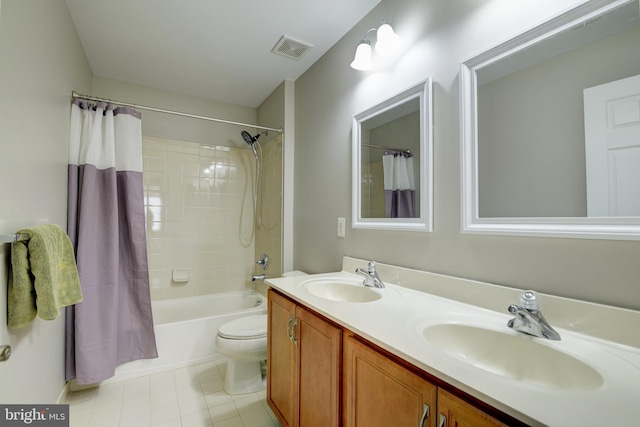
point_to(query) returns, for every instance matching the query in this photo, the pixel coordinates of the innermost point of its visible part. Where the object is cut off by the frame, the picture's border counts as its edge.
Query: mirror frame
(422, 91)
(612, 228)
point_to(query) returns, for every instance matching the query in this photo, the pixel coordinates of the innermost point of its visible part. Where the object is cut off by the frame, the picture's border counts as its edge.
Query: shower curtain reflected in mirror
(399, 185)
(106, 224)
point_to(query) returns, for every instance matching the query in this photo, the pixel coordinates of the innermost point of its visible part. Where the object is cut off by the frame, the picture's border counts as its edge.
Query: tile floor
(187, 397)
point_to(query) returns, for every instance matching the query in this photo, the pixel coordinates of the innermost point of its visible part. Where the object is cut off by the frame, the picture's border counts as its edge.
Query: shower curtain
(106, 224)
(399, 185)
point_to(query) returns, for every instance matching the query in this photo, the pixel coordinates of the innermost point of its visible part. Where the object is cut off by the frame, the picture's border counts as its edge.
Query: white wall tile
(193, 217)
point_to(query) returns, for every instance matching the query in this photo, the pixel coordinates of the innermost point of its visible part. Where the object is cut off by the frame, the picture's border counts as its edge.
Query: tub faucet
(258, 277)
(371, 277)
(529, 318)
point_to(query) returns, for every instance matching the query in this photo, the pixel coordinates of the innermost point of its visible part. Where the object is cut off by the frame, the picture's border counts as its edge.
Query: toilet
(244, 341)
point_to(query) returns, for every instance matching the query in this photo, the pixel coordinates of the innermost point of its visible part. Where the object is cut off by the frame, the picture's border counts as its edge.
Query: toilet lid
(245, 327)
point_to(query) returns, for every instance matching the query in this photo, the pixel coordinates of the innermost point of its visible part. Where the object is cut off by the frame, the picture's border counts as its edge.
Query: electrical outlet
(341, 227)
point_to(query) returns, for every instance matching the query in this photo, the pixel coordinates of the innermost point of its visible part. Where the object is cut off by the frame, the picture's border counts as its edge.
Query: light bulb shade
(388, 41)
(362, 60)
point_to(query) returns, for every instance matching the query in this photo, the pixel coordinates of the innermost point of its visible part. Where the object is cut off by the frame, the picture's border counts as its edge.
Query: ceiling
(217, 49)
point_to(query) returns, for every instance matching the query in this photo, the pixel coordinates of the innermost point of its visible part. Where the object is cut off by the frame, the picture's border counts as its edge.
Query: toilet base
(244, 377)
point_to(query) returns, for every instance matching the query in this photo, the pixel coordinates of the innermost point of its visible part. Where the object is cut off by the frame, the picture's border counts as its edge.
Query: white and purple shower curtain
(399, 185)
(113, 324)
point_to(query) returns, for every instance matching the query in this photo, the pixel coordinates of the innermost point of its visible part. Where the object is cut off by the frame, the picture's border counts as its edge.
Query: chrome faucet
(371, 277)
(529, 318)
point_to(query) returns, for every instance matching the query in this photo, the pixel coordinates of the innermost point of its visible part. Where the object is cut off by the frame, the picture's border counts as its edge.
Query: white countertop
(396, 321)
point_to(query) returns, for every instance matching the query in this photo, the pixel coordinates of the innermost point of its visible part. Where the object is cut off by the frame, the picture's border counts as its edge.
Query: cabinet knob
(443, 421)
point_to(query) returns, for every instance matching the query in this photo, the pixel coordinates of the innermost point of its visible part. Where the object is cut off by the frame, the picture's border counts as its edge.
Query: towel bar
(12, 238)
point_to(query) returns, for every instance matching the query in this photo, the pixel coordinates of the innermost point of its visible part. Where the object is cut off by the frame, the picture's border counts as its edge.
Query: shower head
(248, 138)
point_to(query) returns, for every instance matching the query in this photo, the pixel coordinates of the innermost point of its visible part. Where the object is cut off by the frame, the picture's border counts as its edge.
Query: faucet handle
(513, 309)
(530, 300)
(371, 266)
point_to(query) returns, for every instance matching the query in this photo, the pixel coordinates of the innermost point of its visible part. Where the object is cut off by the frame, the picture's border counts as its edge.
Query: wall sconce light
(387, 43)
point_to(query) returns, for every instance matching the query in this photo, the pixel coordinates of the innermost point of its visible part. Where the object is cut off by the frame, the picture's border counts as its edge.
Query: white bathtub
(186, 329)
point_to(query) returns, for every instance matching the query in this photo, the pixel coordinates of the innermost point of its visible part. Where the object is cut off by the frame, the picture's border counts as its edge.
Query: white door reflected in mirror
(612, 148)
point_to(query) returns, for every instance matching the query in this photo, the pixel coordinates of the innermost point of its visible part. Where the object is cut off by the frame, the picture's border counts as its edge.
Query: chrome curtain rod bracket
(75, 95)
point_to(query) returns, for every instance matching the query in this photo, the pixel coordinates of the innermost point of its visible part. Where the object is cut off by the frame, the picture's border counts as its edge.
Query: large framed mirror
(392, 163)
(551, 128)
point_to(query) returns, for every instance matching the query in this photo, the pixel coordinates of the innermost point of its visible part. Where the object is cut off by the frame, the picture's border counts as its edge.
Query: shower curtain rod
(75, 94)
(402, 150)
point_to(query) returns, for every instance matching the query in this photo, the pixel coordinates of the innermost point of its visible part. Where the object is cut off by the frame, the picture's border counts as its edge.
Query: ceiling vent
(291, 48)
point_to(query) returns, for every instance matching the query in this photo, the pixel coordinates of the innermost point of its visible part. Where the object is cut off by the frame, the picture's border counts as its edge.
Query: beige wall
(41, 63)
(437, 36)
(270, 112)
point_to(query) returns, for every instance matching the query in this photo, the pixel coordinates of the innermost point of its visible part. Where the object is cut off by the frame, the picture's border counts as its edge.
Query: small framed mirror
(392, 163)
(550, 123)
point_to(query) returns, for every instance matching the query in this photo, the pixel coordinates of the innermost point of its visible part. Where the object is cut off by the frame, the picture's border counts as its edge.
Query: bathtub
(186, 330)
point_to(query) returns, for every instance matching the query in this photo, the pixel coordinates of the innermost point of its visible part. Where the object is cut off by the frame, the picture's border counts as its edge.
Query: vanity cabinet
(298, 338)
(455, 412)
(320, 374)
(380, 392)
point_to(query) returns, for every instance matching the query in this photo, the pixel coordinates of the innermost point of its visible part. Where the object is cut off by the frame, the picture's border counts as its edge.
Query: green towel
(44, 275)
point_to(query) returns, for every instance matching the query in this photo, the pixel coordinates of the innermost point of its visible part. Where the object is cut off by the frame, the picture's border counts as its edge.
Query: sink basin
(516, 356)
(341, 290)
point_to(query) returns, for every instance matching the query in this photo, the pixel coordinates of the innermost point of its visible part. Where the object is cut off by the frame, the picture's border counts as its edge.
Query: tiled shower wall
(372, 190)
(269, 235)
(199, 216)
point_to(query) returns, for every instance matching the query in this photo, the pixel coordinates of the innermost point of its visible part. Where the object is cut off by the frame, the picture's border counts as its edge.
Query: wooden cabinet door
(320, 360)
(380, 392)
(281, 360)
(455, 412)
(304, 366)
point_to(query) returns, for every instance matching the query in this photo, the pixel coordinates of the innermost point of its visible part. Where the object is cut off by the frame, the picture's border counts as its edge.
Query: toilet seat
(245, 328)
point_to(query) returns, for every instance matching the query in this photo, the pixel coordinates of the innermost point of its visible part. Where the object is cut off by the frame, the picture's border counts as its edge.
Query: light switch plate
(341, 227)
